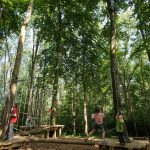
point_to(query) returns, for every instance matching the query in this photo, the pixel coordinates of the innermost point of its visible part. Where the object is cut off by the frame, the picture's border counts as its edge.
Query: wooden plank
(62, 141)
(26, 128)
(111, 143)
(54, 128)
(6, 146)
(135, 144)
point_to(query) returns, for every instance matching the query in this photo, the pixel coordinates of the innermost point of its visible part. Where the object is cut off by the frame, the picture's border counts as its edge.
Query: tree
(15, 73)
(114, 65)
(113, 59)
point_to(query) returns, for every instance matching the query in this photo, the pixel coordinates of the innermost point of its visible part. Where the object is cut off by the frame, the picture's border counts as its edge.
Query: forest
(73, 56)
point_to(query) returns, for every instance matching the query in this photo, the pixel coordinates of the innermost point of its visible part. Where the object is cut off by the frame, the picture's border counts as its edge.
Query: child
(28, 120)
(120, 128)
(50, 113)
(98, 118)
(12, 120)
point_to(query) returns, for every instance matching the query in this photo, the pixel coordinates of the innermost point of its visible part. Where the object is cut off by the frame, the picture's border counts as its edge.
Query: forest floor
(35, 143)
(56, 146)
(80, 144)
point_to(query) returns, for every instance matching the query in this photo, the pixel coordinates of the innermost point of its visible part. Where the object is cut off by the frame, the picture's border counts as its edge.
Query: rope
(110, 130)
(22, 131)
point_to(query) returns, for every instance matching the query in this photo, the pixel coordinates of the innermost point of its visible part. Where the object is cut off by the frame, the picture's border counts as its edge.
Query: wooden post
(46, 134)
(59, 132)
(54, 135)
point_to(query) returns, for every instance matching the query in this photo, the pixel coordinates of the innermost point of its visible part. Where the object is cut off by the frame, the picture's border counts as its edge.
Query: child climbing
(120, 128)
(98, 117)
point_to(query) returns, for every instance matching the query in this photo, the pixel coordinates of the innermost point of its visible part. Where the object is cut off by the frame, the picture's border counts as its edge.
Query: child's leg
(10, 133)
(103, 133)
(119, 137)
(122, 137)
(92, 131)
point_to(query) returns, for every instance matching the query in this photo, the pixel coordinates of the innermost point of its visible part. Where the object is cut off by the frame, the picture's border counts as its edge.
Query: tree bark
(30, 93)
(74, 103)
(113, 59)
(15, 73)
(85, 89)
(1, 9)
(127, 79)
(114, 65)
(85, 114)
(56, 71)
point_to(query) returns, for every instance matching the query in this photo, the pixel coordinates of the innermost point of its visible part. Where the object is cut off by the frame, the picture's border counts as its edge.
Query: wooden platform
(54, 128)
(13, 144)
(112, 144)
(26, 128)
(42, 131)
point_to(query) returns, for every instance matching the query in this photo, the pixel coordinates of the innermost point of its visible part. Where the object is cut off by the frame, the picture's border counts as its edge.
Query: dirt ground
(57, 146)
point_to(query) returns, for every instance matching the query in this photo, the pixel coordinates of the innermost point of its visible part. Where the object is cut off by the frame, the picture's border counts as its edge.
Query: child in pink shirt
(98, 118)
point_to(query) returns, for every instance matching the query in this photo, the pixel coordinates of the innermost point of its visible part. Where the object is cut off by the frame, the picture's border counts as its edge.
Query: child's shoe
(86, 139)
(104, 142)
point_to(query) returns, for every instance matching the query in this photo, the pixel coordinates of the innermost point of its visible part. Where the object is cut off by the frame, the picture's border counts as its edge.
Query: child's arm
(92, 116)
(117, 116)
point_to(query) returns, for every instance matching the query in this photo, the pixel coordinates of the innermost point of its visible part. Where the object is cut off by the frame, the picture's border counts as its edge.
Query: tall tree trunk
(15, 73)
(85, 113)
(114, 65)
(74, 104)
(144, 92)
(56, 71)
(6, 54)
(5, 74)
(34, 56)
(126, 86)
(1, 9)
(85, 89)
(146, 45)
(127, 98)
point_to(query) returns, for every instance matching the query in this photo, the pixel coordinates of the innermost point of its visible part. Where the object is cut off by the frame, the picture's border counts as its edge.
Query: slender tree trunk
(74, 104)
(7, 55)
(1, 9)
(56, 71)
(144, 92)
(55, 87)
(37, 109)
(85, 91)
(15, 73)
(30, 93)
(114, 65)
(85, 113)
(5, 74)
(126, 89)
(127, 98)
(145, 42)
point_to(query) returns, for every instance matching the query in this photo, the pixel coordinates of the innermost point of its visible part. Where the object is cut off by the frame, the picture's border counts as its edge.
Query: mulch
(56, 146)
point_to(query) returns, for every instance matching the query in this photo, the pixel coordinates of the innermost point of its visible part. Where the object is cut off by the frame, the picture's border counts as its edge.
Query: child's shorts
(98, 126)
